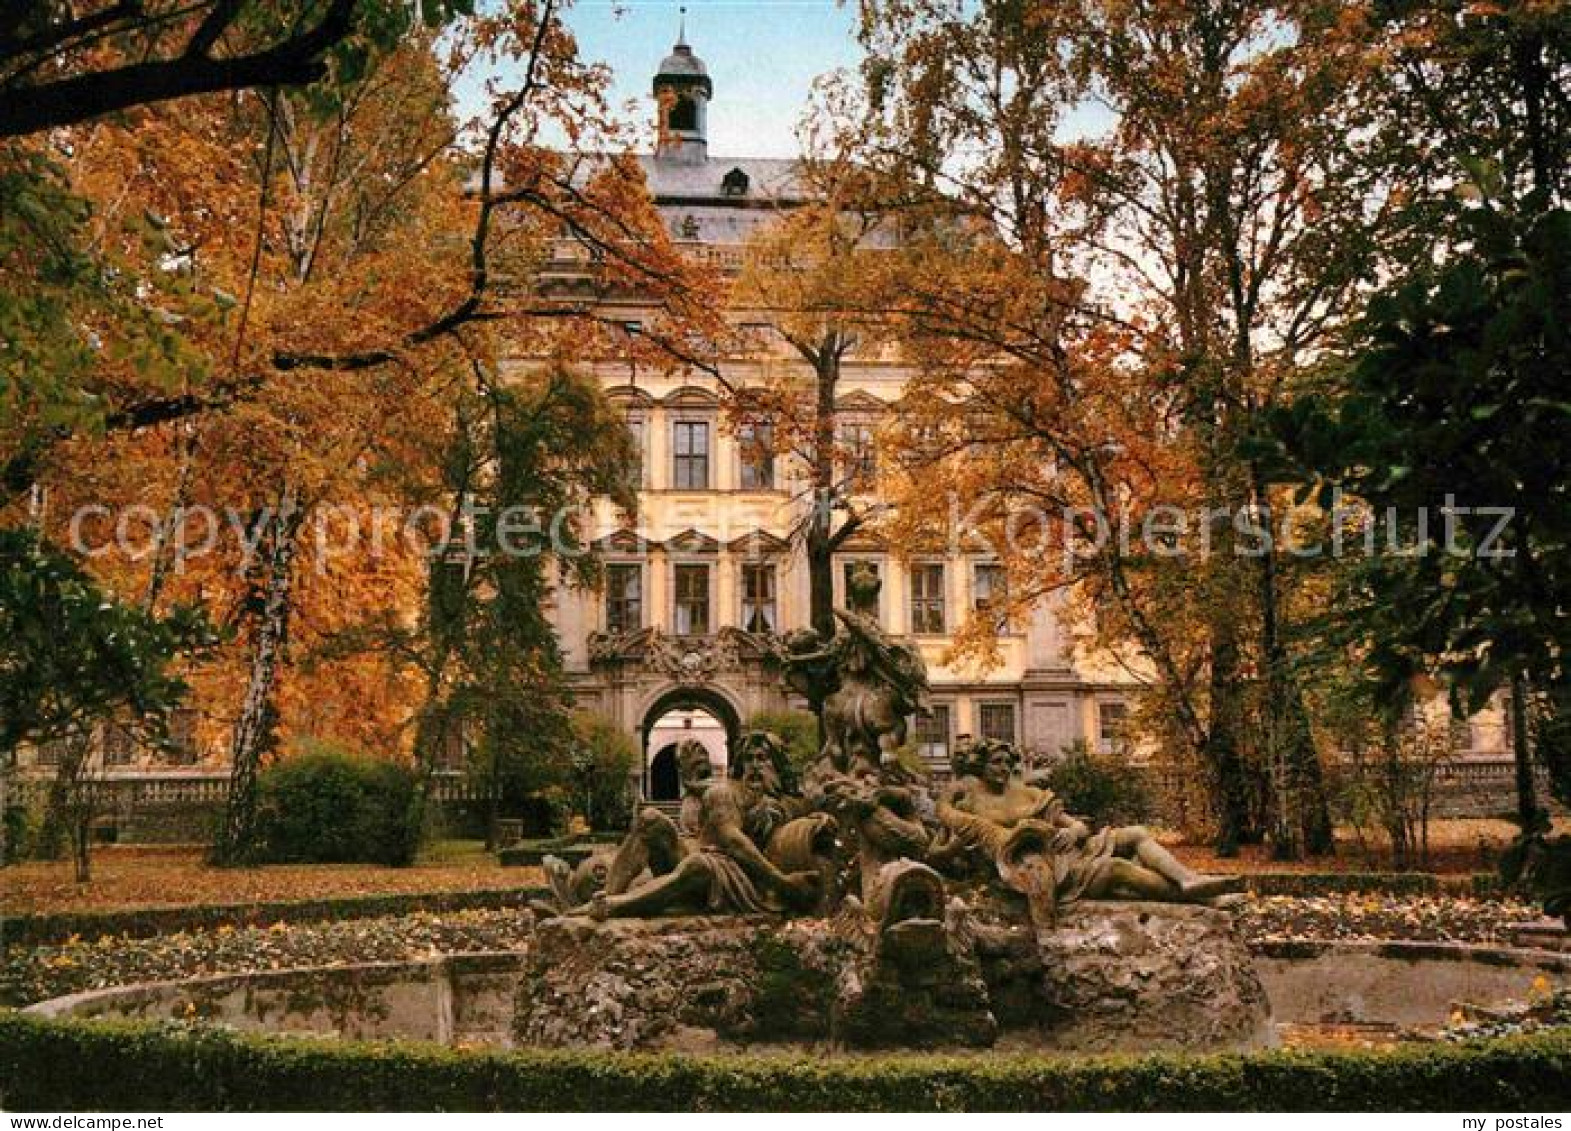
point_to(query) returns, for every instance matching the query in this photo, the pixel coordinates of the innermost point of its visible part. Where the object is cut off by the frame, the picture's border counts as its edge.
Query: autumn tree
(815, 274)
(1195, 248)
(62, 64)
(1440, 411)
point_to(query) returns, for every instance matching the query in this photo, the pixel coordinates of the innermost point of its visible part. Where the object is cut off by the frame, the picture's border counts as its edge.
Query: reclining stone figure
(1051, 857)
(740, 845)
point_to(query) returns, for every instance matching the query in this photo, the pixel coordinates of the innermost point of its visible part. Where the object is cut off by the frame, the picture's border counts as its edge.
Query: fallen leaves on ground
(125, 878)
(1365, 915)
(49, 971)
(80, 964)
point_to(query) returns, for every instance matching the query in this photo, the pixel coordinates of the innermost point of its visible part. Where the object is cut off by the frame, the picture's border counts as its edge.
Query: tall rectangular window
(758, 458)
(181, 748)
(847, 568)
(690, 445)
(997, 721)
(1112, 725)
(927, 598)
(860, 454)
(635, 425)
(932, 734)
(624, 597)
(691, 583)
(119, 746)
(758, 597)
(987, 589)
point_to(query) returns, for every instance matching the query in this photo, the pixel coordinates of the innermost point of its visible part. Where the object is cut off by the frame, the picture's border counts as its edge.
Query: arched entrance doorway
(678, 715)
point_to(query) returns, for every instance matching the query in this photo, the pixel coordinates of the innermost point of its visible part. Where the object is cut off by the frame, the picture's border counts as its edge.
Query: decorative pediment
(624, 541)
(758, 543)
(691, 541)
(863, 542)
(690, 396)
(859, 400)
(689, 661)
(629, 396)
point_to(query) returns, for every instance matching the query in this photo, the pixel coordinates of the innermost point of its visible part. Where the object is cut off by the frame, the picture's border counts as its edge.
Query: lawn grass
(135, 876)
(130, 876)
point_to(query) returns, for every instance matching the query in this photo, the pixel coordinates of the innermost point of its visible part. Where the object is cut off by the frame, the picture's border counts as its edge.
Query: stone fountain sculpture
(865, 907)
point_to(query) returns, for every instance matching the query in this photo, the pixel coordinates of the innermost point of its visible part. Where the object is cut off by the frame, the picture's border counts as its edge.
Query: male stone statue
(736, 839)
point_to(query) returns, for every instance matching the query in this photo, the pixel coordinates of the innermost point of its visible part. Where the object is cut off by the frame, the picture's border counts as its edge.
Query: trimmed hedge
(329, 807)
(96, 1066)
(145, 922)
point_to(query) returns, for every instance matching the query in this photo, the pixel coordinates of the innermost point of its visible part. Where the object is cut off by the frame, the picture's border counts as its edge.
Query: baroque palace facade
(678, 643)
(674, 646)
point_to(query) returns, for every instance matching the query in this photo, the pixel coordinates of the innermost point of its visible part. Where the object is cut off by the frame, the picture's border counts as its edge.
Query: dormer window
(734, 183)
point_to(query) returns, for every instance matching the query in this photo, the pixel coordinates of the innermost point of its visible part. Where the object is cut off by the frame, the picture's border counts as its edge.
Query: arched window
(684, 114)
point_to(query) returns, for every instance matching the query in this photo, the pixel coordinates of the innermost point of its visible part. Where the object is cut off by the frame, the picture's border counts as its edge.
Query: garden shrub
(605, 759)
(1099, 789)
(131, 1067)
(327, 806)
(799, 730)
(20, 833)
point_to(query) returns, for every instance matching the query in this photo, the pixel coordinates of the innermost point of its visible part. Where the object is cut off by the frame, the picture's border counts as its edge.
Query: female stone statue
(1052, 857)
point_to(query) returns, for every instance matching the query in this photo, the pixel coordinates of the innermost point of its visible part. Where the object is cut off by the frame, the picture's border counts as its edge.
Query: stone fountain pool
(1130, 977)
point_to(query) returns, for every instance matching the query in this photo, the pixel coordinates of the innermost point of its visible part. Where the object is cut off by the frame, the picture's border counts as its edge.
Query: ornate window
(758, 597)
(996, 721)
(932, 734)
(684, 114)
(734, 183)
(859, 453)
(639, 427)
(690, 448)
(1112, 725)
(691, 585)
(181, 749)
(845, 580)
(927, 598)
(119, 745)
(988, 594)
(624, 597)
(756, 443)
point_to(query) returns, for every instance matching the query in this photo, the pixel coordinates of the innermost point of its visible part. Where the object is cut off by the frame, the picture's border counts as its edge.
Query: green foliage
(540, 446)
(1456, 394)
(604, 760)
(72, 655)
(327, 806)
(173, 1068)
(1104, 791)
(20, 829)
(799, 729)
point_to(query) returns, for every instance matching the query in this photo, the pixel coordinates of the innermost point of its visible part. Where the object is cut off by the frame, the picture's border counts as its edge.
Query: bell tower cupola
(682, 91)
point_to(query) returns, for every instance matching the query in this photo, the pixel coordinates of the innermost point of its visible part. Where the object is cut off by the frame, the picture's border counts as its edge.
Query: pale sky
(763, 56)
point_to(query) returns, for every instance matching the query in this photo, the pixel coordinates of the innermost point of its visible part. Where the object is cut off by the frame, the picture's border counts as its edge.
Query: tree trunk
(1529, 817)
(820, 531)
(1229, 779)
(253, 735)
(56, 834)
(1302, 819)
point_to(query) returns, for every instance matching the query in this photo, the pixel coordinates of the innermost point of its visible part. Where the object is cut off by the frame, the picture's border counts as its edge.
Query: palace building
(675, 644)
(680, 642)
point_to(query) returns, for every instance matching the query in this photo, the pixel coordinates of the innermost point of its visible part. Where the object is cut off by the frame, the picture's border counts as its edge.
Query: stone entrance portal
(682, 714)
